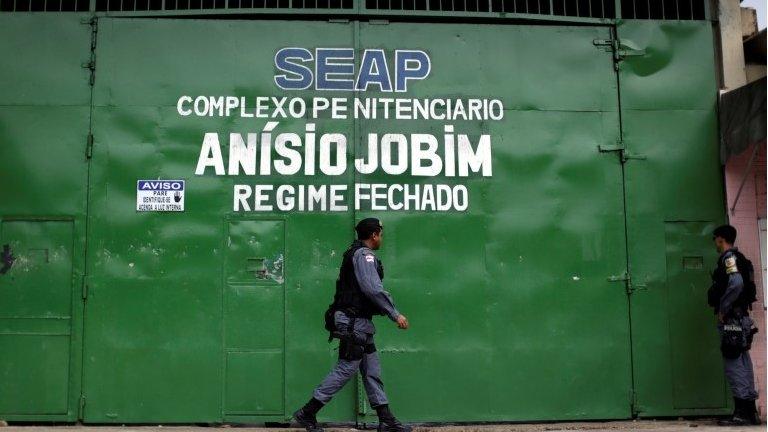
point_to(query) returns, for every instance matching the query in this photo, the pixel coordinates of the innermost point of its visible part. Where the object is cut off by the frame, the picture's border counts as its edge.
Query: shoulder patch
(370, 258)
(730, 265)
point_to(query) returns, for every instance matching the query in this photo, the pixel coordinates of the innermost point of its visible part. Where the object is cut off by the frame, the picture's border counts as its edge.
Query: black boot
(306, 415)
(740, 415)
(388, 422)
(750, 412)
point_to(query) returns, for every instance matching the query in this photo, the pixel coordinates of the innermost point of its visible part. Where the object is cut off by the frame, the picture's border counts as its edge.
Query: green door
(254, 313)
(693, 337)
(36, 317)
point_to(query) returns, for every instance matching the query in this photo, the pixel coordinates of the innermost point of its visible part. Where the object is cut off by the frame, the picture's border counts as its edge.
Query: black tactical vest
(720, 282)
(349, 297)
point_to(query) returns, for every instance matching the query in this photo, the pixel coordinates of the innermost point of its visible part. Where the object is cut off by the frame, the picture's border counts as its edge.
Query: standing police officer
(731, 296)
(359, 296)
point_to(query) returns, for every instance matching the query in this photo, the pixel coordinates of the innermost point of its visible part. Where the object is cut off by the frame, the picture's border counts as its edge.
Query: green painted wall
(518, 305)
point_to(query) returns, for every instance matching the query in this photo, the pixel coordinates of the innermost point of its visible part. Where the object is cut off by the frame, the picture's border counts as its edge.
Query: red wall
(750, 207)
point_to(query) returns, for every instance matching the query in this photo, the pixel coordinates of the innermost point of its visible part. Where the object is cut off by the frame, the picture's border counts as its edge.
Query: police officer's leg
(750, 407)
(351, 353)
(740, 376)
(370, 369)
(339, 376)
(346, 367)
(738, 372)
(341, 373)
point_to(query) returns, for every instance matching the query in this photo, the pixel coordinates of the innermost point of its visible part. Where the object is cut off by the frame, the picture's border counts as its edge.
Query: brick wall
(750, 207)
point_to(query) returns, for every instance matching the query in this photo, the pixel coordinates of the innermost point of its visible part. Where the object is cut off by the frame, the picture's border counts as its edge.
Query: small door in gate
(690, 258)
(253, 317)
(35, 317)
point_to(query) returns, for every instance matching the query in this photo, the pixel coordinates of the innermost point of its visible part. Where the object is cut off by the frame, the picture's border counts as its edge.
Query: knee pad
(350, 351)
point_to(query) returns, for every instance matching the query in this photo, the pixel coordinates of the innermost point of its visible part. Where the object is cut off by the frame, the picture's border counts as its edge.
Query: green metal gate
(483, 273)
(551, 297)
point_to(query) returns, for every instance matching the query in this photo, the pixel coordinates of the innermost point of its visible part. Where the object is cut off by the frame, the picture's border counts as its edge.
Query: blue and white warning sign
(160, 195)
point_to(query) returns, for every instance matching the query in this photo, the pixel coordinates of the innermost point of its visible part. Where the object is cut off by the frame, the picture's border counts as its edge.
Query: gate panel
(668, 102)
(44, 125)
(168, 268)
(512, 295)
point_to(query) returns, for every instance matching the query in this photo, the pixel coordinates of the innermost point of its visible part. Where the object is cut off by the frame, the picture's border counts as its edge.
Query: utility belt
(737, 334)
(353, 313)
(352, 346)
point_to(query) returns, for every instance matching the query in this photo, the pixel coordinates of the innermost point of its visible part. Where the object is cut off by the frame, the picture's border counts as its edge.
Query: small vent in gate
(685, 10)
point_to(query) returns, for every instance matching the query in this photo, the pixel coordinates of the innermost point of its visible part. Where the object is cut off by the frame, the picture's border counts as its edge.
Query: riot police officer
(731, 296)
(359, 296)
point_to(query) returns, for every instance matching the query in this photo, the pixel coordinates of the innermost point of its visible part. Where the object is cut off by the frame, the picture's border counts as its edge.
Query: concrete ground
(640, 425)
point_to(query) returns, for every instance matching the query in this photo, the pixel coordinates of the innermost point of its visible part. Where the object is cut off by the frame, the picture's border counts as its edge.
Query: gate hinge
(627, 279)
(91, 63)
(85, 287)
(81, 407)
(623, 277)
(626, 49)
(91, 66)
(606, 44)
(625, 156)
(621, 49)
(89, 146)
(602, 148)
(624, 153)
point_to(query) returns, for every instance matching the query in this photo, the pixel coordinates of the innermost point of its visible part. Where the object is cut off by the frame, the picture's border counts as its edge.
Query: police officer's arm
(735, 285)
(365, 270)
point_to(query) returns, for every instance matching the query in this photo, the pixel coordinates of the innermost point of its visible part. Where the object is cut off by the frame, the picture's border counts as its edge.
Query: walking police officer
(731, 296)
(359, 296)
